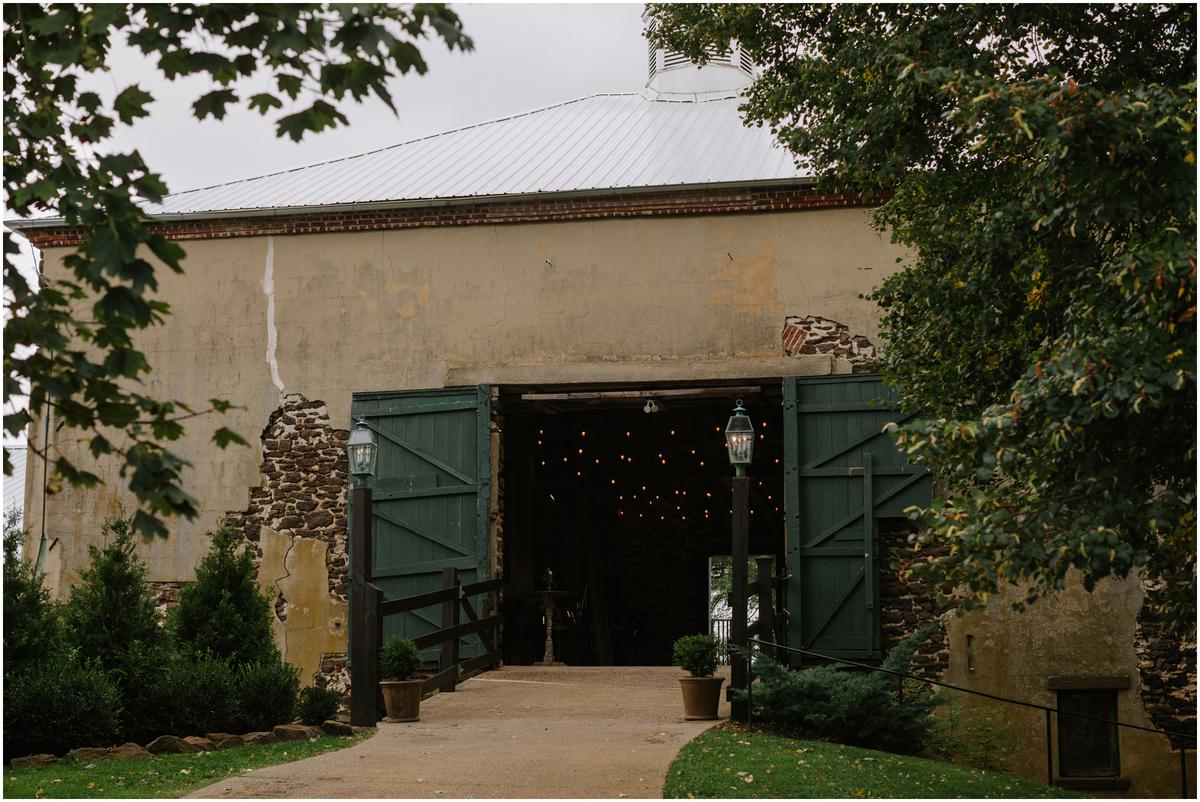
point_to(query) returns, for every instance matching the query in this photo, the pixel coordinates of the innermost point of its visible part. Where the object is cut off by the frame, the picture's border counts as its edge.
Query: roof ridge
(447, 132)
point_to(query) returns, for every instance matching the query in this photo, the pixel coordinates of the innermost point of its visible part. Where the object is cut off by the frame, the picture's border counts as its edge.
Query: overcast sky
(525, 56)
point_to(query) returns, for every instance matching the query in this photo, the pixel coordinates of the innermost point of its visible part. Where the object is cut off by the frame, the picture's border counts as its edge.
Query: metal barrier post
(1049, 752)
(749, 686)
(1183, 794)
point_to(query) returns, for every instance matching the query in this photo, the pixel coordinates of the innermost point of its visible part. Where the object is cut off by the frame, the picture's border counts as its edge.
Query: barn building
(547, 319)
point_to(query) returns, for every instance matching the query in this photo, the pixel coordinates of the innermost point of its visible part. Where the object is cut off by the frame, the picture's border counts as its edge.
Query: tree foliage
(1039, 164)
(32, 626)
(223, 613)
(111, 615)
(71, 342)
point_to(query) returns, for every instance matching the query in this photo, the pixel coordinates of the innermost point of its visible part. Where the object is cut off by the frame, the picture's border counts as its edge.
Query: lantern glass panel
(361, 451)
(739, 437)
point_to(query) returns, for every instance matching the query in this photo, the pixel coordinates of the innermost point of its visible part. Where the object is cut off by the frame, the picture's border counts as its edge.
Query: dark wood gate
(841, 474)
(432, 495)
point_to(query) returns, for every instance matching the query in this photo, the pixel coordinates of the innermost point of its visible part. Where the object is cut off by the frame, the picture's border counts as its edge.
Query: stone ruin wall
(295, 525)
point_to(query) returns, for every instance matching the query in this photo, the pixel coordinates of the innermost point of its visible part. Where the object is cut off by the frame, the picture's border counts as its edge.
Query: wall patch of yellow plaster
(748, 282)
(315, 621)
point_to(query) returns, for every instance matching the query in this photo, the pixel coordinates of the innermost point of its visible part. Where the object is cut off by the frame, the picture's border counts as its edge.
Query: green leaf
(131, 103)
(214, 103)
(223, 437)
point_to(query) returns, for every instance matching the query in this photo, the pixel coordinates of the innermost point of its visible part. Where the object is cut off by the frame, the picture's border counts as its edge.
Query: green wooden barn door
(431, 495)
(838, 465)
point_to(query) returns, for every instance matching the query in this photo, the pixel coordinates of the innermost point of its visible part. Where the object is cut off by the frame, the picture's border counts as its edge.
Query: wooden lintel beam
(638, 395)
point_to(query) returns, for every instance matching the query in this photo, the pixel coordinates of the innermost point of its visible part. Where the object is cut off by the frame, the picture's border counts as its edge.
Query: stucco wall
(668, 298)
(639, 298)
(1076, 634)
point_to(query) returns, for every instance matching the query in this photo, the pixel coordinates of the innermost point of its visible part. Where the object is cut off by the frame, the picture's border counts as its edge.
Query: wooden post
(450, 618)
(766, 610)
(364, 615)
(741, 554)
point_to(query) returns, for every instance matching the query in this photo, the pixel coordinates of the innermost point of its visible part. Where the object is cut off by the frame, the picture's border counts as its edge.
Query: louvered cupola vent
(671, 73)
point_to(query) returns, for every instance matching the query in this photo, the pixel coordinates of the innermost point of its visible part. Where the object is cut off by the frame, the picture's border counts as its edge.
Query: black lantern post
(739, 440)
(361, 451)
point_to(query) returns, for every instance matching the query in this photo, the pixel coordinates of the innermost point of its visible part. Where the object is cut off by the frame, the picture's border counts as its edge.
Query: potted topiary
(399, 661)
(697, 655)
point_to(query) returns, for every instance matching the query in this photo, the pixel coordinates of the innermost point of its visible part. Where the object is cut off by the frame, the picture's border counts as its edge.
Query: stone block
(128, 750)
(332, 727)
(89, 754)
(252, 738)
(30, 761)
(201, 744)
(171, 744)
(295, 732)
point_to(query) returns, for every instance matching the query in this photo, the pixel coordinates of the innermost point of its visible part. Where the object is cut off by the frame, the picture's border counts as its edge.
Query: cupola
(727, 72)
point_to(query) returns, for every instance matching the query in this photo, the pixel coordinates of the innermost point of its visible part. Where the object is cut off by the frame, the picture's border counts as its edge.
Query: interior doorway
(618, 498)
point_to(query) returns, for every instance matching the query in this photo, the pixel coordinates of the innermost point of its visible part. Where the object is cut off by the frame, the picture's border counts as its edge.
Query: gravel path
(514, 732)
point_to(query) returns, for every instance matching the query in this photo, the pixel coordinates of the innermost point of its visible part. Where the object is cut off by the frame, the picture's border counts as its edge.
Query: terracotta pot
(701, 697)
(402, 698)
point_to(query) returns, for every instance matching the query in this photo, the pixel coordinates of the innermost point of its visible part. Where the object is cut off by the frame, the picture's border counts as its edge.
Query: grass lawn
(160, 775)
(725, 762)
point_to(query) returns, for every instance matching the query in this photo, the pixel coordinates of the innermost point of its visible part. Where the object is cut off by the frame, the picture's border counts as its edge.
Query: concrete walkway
(513, 732)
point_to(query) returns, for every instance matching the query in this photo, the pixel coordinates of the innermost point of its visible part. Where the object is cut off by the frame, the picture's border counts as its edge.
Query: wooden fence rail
(368, 609)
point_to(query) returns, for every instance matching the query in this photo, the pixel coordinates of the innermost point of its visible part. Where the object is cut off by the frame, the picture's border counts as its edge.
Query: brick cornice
(537, 210)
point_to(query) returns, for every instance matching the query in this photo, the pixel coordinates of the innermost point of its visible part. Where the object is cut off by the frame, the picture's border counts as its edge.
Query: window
(1088, 748)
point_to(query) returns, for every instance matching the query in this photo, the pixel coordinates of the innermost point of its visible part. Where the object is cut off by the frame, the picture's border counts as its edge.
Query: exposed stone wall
(334, 674)
(1167, 665)
(907, 606)
(166, 596)
(303, 494)
(818, 335)
(302, 499)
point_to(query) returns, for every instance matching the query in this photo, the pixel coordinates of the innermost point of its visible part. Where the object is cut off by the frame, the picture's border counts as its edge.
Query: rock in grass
(229, 742)
(128, 750)
(295, 732)
(29, 761)
(171, 744)
(89, 754)
(201, 744)
(337, 728)
(217, 737)
(252, 738)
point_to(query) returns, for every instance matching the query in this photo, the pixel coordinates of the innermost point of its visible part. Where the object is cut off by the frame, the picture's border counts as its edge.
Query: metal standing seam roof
(605, 142)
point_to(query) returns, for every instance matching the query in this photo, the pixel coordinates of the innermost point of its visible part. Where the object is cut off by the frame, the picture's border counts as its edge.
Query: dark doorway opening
(624, 495)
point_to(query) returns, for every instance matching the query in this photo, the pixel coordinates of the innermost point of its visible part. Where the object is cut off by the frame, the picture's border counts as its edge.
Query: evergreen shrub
(194, 695)
(696, 654)
(57, 705)
(32, 624)
(861, 708)
(266, 694)
(318, 705)
(399, 659)
(223, 613)
(112, 622)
